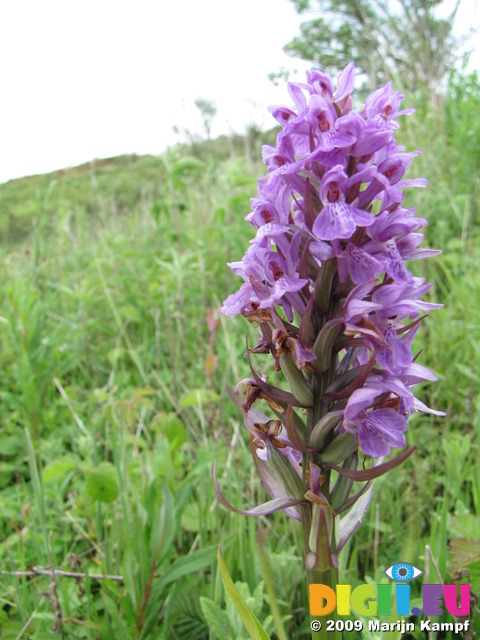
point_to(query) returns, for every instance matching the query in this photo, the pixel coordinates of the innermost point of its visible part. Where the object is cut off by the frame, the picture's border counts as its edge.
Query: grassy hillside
(113, 408)
(108, 187)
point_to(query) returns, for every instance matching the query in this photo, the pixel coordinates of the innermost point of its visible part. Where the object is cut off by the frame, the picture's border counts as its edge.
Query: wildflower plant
(327, 287)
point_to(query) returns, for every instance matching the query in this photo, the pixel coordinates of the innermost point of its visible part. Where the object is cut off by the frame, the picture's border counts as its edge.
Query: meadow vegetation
(113, 406)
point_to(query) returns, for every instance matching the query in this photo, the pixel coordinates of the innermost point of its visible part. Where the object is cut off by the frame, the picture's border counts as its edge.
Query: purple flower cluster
(326, 282)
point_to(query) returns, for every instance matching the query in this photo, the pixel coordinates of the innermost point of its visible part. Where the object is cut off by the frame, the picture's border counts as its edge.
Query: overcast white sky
(84, 79)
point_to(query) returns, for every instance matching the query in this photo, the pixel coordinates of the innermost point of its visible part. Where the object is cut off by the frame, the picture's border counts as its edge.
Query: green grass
(113, 403)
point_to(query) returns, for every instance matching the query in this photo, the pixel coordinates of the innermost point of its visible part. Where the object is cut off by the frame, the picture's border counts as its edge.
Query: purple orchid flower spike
(337, 310)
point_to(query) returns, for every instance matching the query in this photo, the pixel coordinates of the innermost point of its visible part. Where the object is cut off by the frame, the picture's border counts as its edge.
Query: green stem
(328, 577)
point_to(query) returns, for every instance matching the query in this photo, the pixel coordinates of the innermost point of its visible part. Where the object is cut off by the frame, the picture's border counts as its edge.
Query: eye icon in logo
(403, 572)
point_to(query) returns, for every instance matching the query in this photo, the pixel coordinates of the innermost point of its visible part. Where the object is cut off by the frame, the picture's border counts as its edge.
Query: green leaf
(463, 553)
(465, 526)
(163, 531)
(100, 395)
(115, 354)
(195, 561)
(130, 312)
(118, 625)
(142, 392)
(7, 467)
(130, 580)
(216, 618)
(102, 482)
(11, 445)
(172, 427)
(249, 619)
(58, 468)
(198, 396)
(190, 519)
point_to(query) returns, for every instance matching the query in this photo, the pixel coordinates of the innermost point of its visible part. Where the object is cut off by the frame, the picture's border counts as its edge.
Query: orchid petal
(350, 522)
(266, 508)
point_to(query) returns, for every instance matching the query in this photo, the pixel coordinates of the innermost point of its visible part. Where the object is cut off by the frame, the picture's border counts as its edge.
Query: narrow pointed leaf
(249, 619)
(350, 523)
(279, 395)
(272, 484)
(343, 381)
(303, 266)
(321, 556)
(164, 527)
(343, 486)
(349, 502)
(293, 433)
(260, 510)
(308, 210)
(305, 332)
(374, 472)
(324, 283)
(357, 382)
